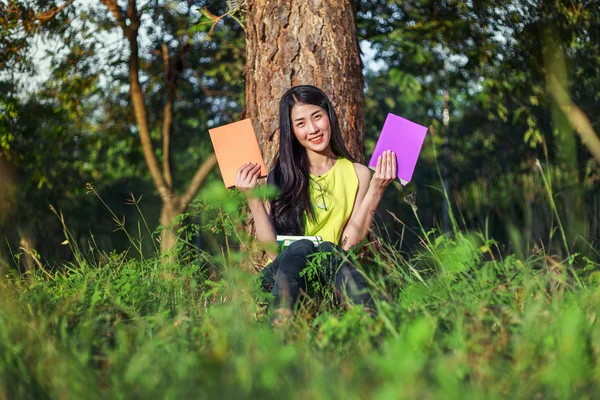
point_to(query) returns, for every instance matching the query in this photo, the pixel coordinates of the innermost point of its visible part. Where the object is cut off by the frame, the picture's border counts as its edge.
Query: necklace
(322, 199)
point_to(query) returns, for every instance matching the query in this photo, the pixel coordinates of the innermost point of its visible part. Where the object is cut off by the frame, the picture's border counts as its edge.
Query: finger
(394, 165)
(386, 164)
(241, 168)
(254, 178)
(240, 172)
(248, 174)
(390, 165)
(378, 167)
(247, 170)
(255, 171)
(243, 174)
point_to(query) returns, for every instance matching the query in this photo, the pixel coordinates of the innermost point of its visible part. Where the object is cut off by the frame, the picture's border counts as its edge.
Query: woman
(322, 193)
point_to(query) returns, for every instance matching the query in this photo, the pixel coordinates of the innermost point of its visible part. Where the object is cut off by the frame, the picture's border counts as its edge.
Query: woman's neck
(321, 163)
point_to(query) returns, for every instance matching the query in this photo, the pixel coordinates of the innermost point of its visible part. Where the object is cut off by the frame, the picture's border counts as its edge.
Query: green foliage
(487, 64)
(78, 126)
(458, 315)
(473, 327)
(489, 59)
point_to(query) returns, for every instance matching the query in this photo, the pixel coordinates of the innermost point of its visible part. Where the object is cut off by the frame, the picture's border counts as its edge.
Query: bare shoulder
(363, 172)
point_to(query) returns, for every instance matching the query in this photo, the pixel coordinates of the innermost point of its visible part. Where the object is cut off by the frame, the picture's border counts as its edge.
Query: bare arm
(370, 192)
(246, 179)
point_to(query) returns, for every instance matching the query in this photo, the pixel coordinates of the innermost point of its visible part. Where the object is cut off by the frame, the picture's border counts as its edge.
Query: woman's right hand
(247, 176)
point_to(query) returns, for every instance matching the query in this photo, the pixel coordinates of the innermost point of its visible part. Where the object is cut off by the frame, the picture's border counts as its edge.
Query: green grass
(453, 322)
(458, 318)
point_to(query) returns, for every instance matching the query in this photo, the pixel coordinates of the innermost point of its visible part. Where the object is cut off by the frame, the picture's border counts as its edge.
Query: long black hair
(291, 171)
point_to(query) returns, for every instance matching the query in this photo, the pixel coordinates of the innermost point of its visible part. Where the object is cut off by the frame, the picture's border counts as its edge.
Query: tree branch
(48, 15)
(167, 117)
(137, 96)
(132, 14)
(577, 118)
(116, 11)
(198, 179)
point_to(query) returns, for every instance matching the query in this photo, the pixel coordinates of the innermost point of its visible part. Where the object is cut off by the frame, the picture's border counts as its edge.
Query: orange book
(236, 144)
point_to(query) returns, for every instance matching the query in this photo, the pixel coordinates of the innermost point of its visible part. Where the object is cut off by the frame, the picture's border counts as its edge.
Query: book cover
(403, 137)
(236, 144)
(285, 240)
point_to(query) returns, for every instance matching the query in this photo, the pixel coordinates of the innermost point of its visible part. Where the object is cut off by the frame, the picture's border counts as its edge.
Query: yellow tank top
(332, 195)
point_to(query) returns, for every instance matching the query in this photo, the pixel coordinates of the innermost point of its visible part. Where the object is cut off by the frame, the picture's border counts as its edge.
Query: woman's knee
(349, 274)
(352, 284)
(267, 276)
(329, 247)
(302, 246)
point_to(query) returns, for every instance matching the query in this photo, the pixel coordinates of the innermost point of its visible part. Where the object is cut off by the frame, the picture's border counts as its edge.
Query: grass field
(456, 319)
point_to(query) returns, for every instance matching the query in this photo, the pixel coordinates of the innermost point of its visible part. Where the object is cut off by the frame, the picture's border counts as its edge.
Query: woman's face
(311, 127)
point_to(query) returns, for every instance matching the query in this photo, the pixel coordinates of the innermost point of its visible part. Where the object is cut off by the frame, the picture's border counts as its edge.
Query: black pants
(282, 277)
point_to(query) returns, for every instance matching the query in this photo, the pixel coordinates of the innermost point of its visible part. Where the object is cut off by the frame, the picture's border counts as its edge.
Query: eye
(318, 116)
(300, 124)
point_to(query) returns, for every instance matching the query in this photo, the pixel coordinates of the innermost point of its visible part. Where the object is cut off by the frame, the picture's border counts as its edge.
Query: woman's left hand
(385, 171)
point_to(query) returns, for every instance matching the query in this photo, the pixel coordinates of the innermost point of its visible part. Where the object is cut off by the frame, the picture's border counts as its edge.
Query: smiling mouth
(317, 139)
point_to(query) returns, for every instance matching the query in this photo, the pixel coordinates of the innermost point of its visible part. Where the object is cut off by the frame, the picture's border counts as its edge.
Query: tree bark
(171, 208)
(291, 42)
(168, 116)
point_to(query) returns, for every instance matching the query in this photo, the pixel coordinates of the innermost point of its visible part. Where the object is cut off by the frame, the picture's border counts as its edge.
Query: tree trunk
(27, 245)
(174, 205)
(171, 208)
(303, 42)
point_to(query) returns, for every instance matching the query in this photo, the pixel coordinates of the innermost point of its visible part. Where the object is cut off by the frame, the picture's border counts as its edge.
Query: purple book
(404, 138)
